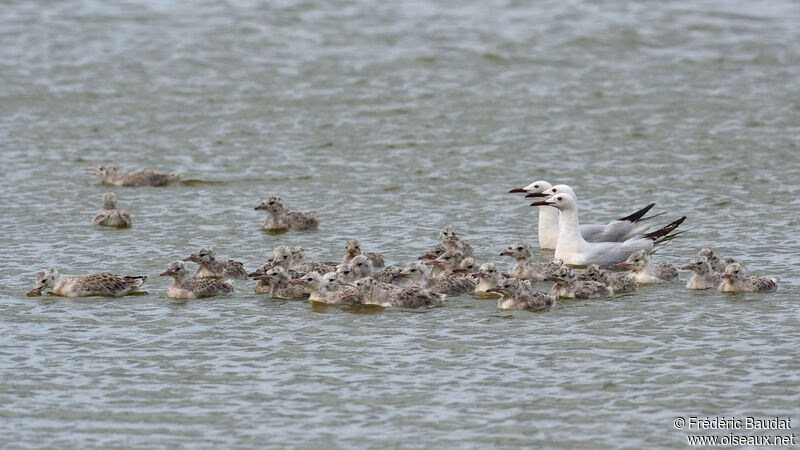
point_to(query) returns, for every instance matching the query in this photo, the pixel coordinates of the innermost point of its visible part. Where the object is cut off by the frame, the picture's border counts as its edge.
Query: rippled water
(392, 120)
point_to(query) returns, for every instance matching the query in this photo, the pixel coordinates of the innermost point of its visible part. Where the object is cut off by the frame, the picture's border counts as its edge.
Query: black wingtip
(637, 216)
(665, 230)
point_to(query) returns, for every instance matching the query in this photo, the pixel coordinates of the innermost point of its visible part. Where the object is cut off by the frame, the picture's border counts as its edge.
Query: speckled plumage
(281, 218)
(110, 175)
(210, 267)
(184, 287)
(525, 268)
(275, 282)
(566, 284)
(376, 293)
(102, 284)
(517, 295)
(703, 276)
(619, 283)
(111, 216)
(735, 279)
(644, 271)
(353, 248)
(447, 284)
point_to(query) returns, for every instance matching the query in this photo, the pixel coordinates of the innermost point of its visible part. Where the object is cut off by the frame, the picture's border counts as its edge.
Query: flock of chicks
(449, 269)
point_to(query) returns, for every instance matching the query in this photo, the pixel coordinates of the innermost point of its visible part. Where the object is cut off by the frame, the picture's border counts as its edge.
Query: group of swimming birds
(448, 268)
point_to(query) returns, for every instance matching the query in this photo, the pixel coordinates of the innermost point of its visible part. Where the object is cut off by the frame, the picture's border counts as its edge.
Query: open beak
(92, 171)
(536, 195)
(726, 275)
(479, 274)
(542, 203)
(35, 291)
(686, 267)
(516, 190)
(260, 207)
(505, 253)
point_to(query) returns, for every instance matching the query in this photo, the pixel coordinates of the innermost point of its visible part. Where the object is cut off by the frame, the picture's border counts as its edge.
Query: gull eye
(413, 270)
(560, 198)
(536, 186)
(554, 190)
(519, 248)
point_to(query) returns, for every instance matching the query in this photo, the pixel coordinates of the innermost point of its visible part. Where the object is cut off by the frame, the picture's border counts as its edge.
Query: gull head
(562, 202)
(109, 200)
(176, 270)
(345, 272)
(434, 252)
(448, 260)
(311, 280)
(282, 256)
(733, 272)
(518, 250)
(202, 256)
(534, 188)
(46, 278)
(637, 261)
(362, 266)
(415, 271)
(352, 248)
(488, 270)
(105, 171)
(698, 265)
(271, 204)
(563, 275)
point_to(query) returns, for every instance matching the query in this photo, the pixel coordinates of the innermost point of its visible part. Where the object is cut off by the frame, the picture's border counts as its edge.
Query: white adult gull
(574, 250)
(614, 231)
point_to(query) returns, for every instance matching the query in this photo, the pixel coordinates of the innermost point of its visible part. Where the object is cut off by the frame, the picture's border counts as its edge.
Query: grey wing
(764, 284)
(133, 179)
(610, 253)
(125, 216)
(537, 301)
(613, 232)
(156, 178)
(235, 269)
(100, 218)
(592, 289)
(303, 221)
(105, 283)
(624, 283)
(588, 231)
(209, 287)
(452, 285)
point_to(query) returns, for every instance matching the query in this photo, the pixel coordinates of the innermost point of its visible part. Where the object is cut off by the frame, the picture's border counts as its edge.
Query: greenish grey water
(392, 120)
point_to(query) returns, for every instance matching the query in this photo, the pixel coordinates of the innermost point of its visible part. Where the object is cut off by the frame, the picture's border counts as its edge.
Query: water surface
(391, 121)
